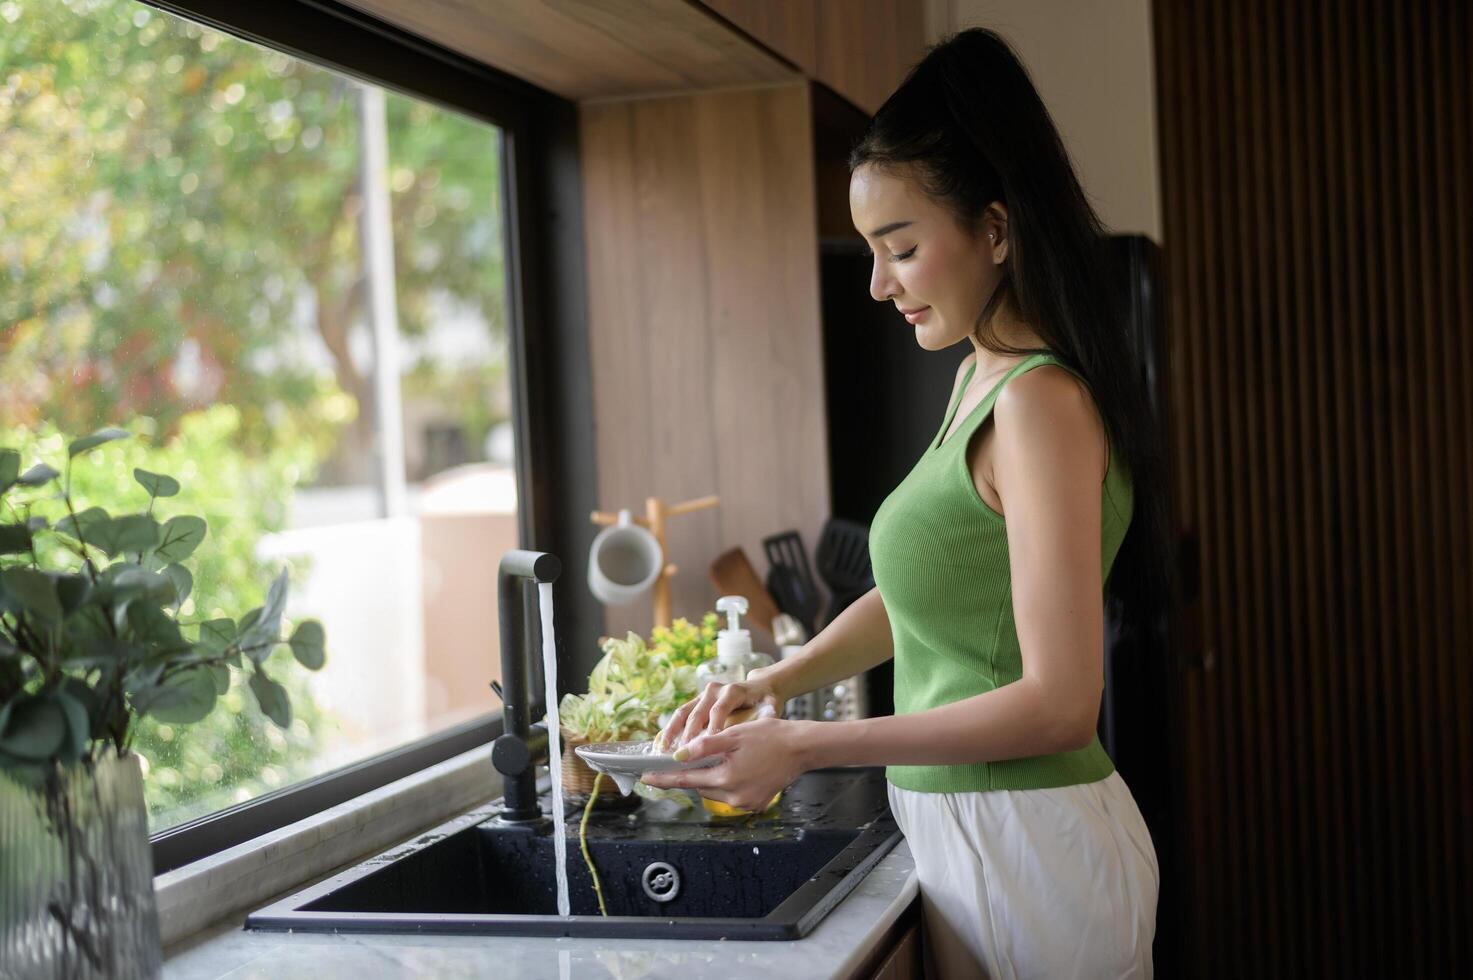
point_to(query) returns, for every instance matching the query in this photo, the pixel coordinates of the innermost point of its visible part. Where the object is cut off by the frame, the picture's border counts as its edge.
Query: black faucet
(522, 745)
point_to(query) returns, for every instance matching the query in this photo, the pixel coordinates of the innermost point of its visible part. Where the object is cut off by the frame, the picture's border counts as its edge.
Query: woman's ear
(995, 228)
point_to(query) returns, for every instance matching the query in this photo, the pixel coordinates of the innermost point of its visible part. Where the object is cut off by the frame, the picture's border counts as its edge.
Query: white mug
(623, 562)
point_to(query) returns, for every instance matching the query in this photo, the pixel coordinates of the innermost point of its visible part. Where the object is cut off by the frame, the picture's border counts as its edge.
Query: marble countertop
(840, 944)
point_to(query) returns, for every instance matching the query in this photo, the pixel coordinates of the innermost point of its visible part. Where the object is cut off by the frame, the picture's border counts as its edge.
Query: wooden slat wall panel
(1317, 192)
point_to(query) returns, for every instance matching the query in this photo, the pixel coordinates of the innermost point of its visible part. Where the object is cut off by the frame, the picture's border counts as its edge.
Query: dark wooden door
(1318, 193)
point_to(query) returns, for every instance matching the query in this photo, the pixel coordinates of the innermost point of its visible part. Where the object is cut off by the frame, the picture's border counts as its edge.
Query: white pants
(1047, 883)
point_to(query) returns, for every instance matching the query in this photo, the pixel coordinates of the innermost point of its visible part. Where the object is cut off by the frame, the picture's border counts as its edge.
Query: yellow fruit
(727, 810)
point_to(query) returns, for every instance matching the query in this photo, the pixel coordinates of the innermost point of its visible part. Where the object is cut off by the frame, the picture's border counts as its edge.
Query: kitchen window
(299, 288)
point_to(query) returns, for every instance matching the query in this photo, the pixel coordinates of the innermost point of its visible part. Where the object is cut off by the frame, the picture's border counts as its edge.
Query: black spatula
(794, 589)
(843, 563)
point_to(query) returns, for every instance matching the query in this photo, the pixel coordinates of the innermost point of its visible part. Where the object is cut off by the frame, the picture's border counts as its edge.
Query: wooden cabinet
(859, 48)
(592, 49)
(903, 962)
(897, 954)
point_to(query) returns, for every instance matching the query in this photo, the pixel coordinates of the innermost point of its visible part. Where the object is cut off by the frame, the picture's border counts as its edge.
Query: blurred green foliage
(180, 254)
(177, 202)
(235, 752)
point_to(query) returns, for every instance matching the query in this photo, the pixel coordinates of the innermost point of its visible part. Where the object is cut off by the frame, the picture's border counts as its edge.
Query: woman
(991, 557)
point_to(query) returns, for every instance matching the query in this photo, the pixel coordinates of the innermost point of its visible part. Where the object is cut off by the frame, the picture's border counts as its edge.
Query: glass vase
(76, 874)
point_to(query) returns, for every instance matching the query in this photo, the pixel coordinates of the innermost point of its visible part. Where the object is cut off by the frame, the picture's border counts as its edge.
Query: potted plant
(92, 638)
(630, 691)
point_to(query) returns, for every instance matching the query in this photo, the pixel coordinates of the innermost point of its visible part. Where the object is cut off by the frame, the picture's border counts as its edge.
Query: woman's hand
(708, 711)
(763, 757)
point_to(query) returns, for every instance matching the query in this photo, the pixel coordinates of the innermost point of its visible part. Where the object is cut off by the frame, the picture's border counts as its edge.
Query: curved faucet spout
(536, 565)
(516, 753)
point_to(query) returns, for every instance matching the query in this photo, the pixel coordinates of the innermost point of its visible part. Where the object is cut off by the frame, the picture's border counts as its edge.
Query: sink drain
(661, 881)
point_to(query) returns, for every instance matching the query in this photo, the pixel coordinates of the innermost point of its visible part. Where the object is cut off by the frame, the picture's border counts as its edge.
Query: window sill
(243, 877)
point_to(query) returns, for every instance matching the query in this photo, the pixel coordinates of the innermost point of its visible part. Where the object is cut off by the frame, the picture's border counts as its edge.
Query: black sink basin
(667, 872)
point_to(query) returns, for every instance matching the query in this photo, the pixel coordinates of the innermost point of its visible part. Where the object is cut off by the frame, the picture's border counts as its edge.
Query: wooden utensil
(733, 574)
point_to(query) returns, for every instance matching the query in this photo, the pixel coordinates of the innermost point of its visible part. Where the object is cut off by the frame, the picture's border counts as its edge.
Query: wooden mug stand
(657, 512)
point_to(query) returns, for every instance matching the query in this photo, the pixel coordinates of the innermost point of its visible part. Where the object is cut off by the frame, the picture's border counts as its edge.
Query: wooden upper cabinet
(610, 49)
(592, 49)
(859, 48)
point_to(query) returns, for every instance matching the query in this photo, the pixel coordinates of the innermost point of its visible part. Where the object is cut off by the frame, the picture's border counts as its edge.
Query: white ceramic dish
(625, 762)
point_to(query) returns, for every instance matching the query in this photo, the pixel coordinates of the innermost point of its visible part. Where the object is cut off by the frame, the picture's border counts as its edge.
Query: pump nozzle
(733, 606)
(732, 641)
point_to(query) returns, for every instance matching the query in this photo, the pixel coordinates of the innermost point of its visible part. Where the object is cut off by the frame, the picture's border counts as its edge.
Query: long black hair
(969, 126)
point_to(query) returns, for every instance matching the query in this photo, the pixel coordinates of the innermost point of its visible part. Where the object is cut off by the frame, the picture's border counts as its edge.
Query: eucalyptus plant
(91, 631)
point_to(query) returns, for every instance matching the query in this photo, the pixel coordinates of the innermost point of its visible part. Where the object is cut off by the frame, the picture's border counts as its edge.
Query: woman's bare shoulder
(1049, 408)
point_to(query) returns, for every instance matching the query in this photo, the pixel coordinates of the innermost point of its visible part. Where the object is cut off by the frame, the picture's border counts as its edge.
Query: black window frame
(549, 362)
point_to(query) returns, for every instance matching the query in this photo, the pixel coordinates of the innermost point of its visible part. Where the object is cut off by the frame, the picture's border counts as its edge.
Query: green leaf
(36, 730)
(15, 539)
(307, 643)
(37, 524)
(37, 475)
(153, 627)
(100, 651)
(260, 630)
(124, 582)
(34, 591)
(254, 643)
(140, 680)
(94, 440)
(77, 688)
(180, 536)
(119, 535)
(9, 468)
(216, 635)
(183, 582)
(84, 627)
(221, 676)
(78, 727)
(185, 697)
(71, 590)
(87, 521)
(272, 698)
(89, 699)
(102, 534)
(134, 532)
(157, 484)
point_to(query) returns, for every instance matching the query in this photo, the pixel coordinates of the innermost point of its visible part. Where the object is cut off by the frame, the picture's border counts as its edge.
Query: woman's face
(935, 272)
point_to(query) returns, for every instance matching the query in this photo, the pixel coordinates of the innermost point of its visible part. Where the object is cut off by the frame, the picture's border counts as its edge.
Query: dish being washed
(625, 762)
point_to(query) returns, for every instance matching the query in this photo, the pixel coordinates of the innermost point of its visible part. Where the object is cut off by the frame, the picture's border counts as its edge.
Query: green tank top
(940, 557)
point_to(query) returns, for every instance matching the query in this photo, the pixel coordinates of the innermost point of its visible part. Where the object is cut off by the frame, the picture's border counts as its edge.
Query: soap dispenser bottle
(735, 657)
(734, 660)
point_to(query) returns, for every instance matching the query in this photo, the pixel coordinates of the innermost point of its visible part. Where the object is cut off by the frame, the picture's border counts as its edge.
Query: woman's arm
(858, 639)
(1013, 722)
